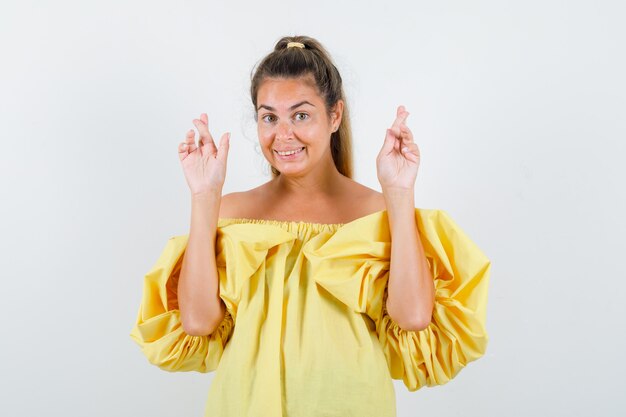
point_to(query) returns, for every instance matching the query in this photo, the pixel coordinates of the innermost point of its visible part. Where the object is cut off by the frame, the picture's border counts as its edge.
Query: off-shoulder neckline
(296, 222)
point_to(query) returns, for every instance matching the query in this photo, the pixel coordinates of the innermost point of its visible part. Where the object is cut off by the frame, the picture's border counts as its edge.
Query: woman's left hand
(399, 159)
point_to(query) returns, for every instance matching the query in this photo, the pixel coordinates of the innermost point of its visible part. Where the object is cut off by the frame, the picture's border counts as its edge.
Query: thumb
(390, 140)
(222, 151)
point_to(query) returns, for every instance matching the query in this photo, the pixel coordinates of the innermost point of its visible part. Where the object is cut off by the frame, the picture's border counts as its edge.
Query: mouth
(291, 154)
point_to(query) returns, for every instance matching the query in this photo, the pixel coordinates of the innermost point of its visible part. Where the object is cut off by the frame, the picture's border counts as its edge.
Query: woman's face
(292, 116)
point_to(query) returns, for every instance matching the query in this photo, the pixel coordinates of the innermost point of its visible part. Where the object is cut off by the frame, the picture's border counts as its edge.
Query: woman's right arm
(201, 308)
(204, 165)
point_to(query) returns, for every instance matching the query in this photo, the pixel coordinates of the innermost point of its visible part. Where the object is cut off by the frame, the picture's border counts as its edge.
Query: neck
(324, 180)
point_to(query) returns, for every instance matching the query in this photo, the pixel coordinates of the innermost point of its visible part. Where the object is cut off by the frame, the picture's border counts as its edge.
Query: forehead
(283, 92)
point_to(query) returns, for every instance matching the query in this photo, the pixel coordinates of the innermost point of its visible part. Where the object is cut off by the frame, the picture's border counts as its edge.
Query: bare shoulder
(366, 199)
(240, 204)
(229, 204)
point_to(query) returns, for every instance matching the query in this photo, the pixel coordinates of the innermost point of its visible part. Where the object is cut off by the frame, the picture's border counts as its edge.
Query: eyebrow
(270, 108)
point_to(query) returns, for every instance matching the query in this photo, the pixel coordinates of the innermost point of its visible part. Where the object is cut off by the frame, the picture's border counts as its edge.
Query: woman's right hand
(204, 165)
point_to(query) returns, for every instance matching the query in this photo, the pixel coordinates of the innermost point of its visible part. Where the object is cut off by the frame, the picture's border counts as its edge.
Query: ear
(336, 114)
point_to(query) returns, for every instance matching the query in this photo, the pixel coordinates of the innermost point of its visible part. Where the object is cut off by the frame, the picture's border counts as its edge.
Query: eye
(301, 116)
(269, 118)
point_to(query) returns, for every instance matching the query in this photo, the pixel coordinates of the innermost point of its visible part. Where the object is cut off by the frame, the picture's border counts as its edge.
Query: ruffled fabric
(158, 329)
(241, 250)
(353, 265)
(293, 290)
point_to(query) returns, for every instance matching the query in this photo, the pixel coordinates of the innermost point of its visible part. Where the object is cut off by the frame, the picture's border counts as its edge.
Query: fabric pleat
(158, 329)
(307, 319)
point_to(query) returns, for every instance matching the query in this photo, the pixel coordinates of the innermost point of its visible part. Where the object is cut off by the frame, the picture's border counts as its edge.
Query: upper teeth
(289, 152)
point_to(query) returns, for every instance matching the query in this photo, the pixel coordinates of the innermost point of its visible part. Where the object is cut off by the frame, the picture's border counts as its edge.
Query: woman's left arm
(411, 289)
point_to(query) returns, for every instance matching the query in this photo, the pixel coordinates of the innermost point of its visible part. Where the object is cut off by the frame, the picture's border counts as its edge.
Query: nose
(284, 130)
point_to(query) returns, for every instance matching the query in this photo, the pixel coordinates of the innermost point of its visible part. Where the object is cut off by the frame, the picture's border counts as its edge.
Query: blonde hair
(287, 61)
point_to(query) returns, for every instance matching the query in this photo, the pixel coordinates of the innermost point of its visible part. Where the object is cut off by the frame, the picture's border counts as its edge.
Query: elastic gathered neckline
(297, 224)
(289, 224)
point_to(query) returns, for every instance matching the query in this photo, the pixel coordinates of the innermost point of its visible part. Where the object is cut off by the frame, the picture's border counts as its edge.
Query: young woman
(293, 291)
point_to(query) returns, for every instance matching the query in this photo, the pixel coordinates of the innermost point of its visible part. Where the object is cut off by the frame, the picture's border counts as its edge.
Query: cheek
(264, 136)
(266, 142)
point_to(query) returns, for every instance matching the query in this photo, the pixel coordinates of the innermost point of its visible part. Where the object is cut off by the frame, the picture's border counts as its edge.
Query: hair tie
(295, 44)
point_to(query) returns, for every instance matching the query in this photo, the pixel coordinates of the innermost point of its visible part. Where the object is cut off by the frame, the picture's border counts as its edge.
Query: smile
(289, 153)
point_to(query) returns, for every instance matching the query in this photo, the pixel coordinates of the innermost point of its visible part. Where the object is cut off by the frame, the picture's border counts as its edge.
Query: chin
(291, 172)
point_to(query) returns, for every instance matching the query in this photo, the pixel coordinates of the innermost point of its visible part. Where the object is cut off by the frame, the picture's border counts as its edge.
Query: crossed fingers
(205, 141)
(402, 131)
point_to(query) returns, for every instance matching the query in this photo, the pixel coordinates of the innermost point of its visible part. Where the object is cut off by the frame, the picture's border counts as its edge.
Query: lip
(292, 149)
(289, 157)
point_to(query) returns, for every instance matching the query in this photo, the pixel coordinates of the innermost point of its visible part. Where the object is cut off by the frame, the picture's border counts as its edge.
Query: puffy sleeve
(456, 335)
(158, 329)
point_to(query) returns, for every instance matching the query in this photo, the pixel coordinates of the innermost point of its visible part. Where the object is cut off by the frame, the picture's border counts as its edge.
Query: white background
(519, 112)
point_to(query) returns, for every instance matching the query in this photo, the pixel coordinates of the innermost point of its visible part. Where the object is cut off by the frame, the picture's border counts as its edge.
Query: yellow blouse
(307, 332)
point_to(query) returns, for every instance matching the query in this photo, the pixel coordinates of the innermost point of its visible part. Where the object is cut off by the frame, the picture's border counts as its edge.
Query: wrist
(398, 193)
(399, 200)
(209, 195)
